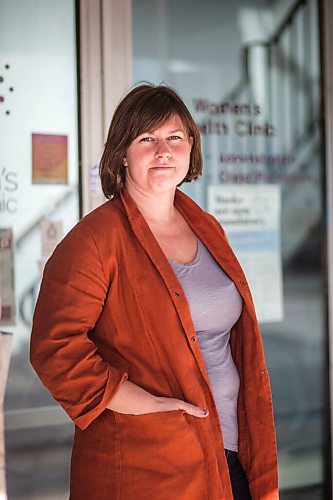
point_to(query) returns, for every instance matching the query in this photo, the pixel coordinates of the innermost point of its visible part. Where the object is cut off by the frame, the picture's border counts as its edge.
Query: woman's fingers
(195, 411)
(170, 404)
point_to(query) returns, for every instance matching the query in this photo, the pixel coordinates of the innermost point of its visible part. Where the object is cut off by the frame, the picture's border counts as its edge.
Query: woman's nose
(162, 150)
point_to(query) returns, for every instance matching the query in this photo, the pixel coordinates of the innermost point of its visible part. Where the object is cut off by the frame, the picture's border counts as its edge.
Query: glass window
(39, 203)
(249, 72)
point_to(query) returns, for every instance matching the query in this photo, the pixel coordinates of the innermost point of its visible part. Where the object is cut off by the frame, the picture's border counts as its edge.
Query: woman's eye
(174, 137)
(146, 139)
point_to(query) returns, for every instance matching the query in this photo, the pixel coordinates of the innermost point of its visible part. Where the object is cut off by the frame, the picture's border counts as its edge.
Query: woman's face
(158, 160)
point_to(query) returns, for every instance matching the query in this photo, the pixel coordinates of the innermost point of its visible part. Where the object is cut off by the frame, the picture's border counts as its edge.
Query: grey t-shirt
(215, 306)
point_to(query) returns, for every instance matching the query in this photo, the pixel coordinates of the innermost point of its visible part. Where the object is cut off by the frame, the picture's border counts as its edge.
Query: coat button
(263, 372)
(177, 293)
(193, 338)
(242, 282)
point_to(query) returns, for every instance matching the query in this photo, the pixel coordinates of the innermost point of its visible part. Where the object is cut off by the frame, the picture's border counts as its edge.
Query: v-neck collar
(210, 235)
(201, 224)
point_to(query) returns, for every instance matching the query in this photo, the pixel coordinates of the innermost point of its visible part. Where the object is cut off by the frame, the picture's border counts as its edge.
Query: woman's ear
(125, 162)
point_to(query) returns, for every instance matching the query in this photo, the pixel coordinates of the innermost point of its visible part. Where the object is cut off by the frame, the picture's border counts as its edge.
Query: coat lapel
(204, 227)
(160, 261)
(148, 241)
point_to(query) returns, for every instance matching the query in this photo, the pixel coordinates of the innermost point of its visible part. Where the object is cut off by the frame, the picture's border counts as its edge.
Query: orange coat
(111, 307)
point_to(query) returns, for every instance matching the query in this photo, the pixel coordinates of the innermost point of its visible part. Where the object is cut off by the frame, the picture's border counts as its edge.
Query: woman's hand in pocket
(172, 404)
(130, 399)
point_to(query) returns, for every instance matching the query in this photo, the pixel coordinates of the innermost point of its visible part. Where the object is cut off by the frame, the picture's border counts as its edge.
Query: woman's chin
(163, 185)
(165, 180)
(157, 183)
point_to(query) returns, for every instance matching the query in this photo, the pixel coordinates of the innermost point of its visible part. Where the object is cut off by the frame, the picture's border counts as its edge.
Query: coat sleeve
(70, 301)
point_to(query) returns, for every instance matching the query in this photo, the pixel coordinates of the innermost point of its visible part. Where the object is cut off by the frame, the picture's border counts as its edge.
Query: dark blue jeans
(239, 482)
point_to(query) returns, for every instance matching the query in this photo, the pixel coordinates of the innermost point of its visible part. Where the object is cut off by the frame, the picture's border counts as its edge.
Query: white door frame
(106, 75)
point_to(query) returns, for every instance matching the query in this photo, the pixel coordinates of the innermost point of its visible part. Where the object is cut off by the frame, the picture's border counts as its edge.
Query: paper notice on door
(7, 294)
(250, 216)
(52, 232)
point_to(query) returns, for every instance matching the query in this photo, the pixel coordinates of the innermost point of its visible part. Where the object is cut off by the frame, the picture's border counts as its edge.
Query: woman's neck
(155, 207)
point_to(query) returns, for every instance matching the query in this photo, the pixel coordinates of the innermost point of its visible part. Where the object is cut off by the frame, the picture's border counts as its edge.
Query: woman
(145, 331)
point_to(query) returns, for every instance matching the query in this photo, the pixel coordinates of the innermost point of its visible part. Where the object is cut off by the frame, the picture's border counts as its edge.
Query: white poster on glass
(250, 216)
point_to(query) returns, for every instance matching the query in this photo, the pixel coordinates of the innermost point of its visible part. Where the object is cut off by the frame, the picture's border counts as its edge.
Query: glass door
(250, 73)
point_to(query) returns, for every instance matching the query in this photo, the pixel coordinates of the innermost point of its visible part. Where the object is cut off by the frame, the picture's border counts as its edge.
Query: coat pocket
(161, 456)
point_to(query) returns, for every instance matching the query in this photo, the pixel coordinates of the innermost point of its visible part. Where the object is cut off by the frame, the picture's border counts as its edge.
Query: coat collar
(202, 224)
(143, 233)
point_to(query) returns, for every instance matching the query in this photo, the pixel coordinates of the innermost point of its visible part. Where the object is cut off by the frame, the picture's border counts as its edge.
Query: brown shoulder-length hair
(143, 109)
